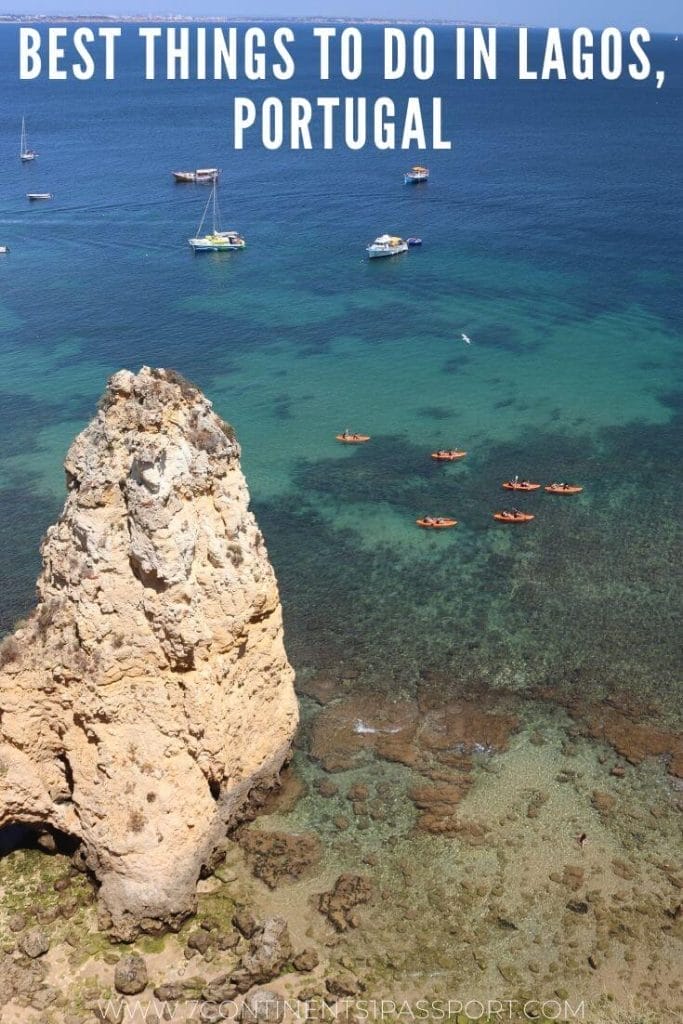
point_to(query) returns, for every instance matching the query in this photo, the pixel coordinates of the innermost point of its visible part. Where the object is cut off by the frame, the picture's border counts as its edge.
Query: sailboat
(216, 240)
(25, 154)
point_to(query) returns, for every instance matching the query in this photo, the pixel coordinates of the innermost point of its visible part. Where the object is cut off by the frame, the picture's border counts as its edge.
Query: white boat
(416, 175)
(32, 196)
(203, 175)
(215, 240)
(4, 248)
(25, 154)
(387, 245)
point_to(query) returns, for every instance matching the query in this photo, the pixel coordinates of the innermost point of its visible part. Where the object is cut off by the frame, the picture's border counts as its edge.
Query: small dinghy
(413, 241)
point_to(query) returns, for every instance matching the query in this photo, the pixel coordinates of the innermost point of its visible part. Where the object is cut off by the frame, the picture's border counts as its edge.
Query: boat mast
(201, 223)
(213, 192)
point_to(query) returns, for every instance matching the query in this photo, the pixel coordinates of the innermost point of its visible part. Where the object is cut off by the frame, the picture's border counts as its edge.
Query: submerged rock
(148, 698)
(279, 856)
(339, 905)
(417, 733)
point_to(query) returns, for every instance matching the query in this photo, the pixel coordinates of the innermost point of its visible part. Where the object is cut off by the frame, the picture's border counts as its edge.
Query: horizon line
(10, 17)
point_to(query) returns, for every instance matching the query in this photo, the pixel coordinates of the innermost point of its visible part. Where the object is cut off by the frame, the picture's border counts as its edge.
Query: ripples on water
(549, 238)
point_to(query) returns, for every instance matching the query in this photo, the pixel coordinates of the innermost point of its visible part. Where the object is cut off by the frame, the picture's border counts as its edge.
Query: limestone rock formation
(149, 693)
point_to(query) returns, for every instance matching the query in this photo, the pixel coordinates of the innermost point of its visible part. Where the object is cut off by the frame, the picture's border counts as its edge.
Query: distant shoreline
(251, 19)
(170, 19)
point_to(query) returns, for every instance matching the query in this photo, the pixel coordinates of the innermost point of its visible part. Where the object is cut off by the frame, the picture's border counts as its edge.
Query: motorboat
(386, 245)
(416, 176)
(202, 176)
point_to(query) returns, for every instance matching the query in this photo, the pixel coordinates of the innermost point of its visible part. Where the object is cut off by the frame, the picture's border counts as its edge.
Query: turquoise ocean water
(551, 237)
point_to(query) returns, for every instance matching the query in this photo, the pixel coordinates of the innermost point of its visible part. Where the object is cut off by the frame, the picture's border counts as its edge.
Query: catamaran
(25, 154)
(216, 240)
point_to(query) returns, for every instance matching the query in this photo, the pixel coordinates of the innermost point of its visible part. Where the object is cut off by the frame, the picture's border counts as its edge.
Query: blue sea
(551, 238)
(542, 659)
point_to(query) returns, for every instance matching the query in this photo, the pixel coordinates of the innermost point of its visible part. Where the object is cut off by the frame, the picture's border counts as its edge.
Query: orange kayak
(513, 517)
(520, 485)
(563, 489)
(448, 456)
(436, 524)
(353, 438)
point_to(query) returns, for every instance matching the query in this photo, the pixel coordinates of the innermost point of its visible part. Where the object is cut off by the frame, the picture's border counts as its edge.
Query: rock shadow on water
(282, 407)
(25, 514)
(436, 412)
(29, 416)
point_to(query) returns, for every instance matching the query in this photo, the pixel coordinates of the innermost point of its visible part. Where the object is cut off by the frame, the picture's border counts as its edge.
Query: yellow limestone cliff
(149, 695)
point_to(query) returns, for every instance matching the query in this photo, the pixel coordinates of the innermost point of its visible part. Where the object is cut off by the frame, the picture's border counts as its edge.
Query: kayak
(520, 485)
(438, 524)
(448, 456)
(353, 438)
(563, 489)
(513, 517)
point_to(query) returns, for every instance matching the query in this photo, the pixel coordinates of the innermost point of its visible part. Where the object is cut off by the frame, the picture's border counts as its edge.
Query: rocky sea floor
(419, 849)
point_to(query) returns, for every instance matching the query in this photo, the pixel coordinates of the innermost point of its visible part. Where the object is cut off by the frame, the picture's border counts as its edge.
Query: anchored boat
(33, 196)
(26, 154)
(202, 176)
(416, 176)
(216, 240)
(386, 245)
